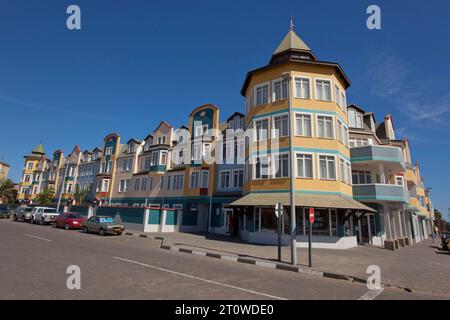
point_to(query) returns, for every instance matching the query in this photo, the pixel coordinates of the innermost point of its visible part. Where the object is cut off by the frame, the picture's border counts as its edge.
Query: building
(4, 170)
(88, 170)
(26, 182)
(300, 96)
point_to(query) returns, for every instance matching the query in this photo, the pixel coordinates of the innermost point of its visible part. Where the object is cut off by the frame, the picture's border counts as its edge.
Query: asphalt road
(34, 260)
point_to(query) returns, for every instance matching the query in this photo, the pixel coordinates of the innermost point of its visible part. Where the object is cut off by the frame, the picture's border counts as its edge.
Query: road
(34, 260)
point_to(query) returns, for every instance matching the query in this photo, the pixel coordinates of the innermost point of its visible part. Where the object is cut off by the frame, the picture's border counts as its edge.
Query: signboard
(278, 209)
(311, 215)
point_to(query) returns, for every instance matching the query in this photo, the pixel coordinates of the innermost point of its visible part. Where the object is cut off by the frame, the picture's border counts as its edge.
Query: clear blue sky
(135, 63)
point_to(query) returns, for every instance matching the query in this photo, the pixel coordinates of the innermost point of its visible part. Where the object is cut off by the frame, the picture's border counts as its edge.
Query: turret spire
(291, 25)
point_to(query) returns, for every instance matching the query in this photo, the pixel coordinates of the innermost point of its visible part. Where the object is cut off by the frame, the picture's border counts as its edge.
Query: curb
(262, 263)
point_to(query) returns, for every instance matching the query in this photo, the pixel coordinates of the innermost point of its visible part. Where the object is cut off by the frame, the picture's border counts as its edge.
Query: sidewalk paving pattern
(417, 267)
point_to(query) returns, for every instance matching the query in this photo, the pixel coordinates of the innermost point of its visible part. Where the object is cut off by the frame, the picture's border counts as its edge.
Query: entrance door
(202, 218)
(367, 228)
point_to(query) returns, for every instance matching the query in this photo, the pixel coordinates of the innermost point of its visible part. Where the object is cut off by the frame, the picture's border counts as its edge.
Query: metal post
(293, 224)
(279, 237)
(309, 245)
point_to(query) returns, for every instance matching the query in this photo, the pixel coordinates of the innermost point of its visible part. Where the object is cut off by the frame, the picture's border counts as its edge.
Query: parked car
(103, 226)
(69, 220)
(43, 215)
(445, 240)
(23, 214)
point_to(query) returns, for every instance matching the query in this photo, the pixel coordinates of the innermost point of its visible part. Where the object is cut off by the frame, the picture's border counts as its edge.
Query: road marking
(201, 279)
(371, 294)
(36, 237)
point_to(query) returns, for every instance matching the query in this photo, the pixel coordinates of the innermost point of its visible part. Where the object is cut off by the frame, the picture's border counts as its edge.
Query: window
(225, 177)
(262, 167)
(147, 163)
(178, 182)
(303, 125)
(327, 167)
(400, 181)
(169, 180)
(355, 119)
(161, 140)
(342, 170)
(304, 165)
(108, 151)
(325, 127)
(302, 88)
(337, 94)
(281, 165)
(105, 185)
(137, 184)
(130, 148)
(261, 94)
(323, 90)
(349, 172)
(361, 177)
(154, 160)
(161, 183)
(280, 90)
(123, 185)
(194, 180)
(281, 126)
(261, 127)
(163, 157)
(358, 142)
(144, 184)
(30, 165)
(205, 179)
(238, 178)
(343, 102)
(340, 131)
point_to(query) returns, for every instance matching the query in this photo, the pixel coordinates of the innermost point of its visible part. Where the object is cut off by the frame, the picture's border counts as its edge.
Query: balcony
(380, 192)
(392, 155)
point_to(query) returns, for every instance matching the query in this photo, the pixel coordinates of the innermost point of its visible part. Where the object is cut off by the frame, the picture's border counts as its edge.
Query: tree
(80, 195)
(440, 223)
(45, 197)
(8, 192)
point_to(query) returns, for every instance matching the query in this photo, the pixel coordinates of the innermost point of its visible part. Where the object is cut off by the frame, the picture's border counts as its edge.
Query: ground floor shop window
(325, 222)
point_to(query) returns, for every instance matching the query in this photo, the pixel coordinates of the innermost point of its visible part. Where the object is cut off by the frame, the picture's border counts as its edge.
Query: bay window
(325, 127)
(323, 90)
(303, 126)
(302, 88)
(281, 126)
(280, 89)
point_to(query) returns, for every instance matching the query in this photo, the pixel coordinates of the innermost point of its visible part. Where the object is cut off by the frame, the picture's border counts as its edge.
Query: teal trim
(302, 191)
(363, 159)
(158, 168)
(385, 198)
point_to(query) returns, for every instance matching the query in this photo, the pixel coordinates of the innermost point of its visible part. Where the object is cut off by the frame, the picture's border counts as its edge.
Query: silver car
(23, 214)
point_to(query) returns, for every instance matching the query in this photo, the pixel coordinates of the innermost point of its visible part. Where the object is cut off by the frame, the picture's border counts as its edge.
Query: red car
(69, 220)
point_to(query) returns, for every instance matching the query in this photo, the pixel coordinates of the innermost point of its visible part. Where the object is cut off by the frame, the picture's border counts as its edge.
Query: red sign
(311, 215)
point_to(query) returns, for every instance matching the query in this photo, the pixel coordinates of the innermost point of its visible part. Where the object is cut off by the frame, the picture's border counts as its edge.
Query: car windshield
(106, 220)
(28, 209)
(74, 216)
(50, 210)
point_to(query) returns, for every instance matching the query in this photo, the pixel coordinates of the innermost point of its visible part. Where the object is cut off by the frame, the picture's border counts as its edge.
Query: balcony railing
(377, 153)
(382, 192)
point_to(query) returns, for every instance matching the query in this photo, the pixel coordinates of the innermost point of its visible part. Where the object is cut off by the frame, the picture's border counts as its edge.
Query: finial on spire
(291, 25)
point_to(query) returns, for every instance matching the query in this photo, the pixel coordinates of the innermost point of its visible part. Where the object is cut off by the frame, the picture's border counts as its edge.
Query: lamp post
(293, 230)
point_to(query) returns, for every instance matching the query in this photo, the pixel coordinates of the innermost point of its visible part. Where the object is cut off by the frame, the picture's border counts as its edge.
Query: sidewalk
(417, 267)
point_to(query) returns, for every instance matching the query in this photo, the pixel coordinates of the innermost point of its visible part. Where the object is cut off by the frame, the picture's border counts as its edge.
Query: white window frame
(269, 170)
(229, 179)
(311, 116)
(332, 129)
(239, 171)
(331, 89)
(255, 134)
(296, 95)
(273, 125)
(313, 164)
(281, 80)
(272, 164)
(255, 96)
(335, 166)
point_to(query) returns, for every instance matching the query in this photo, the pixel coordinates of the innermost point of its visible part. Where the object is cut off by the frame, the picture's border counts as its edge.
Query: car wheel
(102, 232)
(85, 230)
(67, 226)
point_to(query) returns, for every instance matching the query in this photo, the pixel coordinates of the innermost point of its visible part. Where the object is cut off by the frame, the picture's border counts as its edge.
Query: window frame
(335, 166)
(331, 89)
(317, 115)
(312, 163)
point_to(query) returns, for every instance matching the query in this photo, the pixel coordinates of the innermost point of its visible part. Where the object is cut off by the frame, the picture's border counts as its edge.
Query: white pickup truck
(43, 215)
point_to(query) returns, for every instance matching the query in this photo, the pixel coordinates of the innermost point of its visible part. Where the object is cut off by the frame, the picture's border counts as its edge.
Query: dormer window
(108, 151)
(161, 140)
(355, 119)
(130, 148)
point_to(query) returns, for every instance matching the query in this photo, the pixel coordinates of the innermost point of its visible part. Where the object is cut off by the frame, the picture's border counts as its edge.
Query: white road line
(36, 237)
(371, 294)
(201, 279)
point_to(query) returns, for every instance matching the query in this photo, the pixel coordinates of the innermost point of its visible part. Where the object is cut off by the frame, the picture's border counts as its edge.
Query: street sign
(278, 209)
(311, 215)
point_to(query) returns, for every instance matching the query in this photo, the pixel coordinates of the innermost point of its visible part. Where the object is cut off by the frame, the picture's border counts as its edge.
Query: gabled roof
(235, 114)
(134, 140)
(161, 123)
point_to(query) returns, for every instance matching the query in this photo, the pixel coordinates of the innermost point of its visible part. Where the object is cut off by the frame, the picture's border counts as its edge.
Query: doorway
(366, 227)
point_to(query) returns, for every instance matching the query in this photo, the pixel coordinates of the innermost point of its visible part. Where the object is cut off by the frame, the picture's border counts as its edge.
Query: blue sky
(135, 63)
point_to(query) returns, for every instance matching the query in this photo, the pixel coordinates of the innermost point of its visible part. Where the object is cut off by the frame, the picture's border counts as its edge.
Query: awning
(301, 200)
